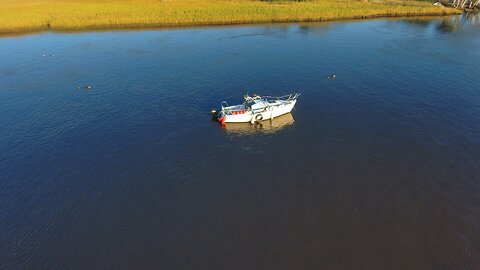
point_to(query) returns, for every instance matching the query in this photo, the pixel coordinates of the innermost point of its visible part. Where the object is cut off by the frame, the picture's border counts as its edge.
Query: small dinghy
(255, 109)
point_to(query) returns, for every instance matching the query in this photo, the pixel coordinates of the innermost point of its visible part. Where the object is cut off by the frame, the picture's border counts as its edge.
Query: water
(378, 169)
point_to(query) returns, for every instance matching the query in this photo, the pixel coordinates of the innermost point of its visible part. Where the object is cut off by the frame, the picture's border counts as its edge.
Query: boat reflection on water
(265, 127)
(448, 24)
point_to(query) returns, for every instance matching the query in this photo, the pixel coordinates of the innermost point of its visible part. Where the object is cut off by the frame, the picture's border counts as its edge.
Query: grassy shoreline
(64, 15)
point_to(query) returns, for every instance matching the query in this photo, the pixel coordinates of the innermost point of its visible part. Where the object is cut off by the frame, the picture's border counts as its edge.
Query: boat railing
(235, 109)
(289, 97)
(224, 105)
(270, 99)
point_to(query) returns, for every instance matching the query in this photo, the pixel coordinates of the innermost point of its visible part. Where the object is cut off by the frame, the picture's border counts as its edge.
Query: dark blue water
(378, 169)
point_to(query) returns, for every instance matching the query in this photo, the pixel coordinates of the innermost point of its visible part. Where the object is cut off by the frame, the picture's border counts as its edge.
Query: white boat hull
(268, 114)
(265, 127)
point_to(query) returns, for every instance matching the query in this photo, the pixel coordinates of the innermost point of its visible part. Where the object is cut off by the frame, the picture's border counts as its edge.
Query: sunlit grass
(25, 15)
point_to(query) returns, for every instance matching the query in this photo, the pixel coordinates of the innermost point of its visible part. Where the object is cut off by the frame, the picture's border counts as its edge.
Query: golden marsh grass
(29, 15)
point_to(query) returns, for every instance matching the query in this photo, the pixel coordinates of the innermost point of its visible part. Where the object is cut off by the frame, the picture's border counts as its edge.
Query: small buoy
(88, 87)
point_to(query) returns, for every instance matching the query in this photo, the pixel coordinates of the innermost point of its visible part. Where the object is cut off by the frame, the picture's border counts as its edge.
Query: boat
(255, 109)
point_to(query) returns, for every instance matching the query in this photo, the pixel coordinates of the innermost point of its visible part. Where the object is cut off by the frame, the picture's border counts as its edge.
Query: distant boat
(255, 109)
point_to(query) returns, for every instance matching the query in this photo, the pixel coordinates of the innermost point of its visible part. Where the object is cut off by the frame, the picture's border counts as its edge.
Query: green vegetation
(29, 15)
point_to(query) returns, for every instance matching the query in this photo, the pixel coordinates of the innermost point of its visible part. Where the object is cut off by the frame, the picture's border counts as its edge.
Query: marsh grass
(29, 15)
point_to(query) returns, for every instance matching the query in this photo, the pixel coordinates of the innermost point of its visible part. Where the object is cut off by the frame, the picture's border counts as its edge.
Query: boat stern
(218, 116)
